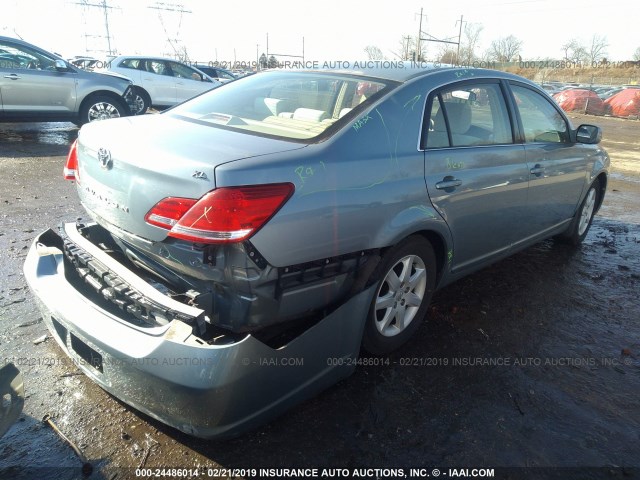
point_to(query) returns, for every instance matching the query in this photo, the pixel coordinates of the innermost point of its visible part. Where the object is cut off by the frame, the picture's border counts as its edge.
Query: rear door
(159, 81)
(557, 167)
(476, 175)
(30, 82)
(188, 81)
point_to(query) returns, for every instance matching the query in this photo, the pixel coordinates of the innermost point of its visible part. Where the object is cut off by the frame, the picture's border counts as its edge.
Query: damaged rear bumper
(203, 389)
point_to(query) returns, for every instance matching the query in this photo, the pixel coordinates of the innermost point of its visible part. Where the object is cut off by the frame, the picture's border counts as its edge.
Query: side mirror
(588, 134)
(61, 65)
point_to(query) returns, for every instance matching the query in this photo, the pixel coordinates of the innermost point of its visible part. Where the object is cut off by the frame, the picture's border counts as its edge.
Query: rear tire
(141, 101)
(583, 218)
(407, 278)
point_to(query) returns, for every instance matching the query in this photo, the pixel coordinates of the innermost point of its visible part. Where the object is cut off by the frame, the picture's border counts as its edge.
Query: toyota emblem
(104, 157)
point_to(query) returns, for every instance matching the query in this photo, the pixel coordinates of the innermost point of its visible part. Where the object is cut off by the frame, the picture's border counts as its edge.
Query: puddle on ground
(53, 133)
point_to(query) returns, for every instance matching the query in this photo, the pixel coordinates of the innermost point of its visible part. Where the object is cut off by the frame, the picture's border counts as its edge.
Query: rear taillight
(168, 211)
(71, 167)
(224, 215)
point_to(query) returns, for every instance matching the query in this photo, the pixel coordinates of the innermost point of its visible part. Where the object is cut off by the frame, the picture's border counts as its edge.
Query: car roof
(403, 71)
(27, 44)
(149, 57)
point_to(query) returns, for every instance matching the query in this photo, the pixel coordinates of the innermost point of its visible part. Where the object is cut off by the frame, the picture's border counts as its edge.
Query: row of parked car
(38, 85)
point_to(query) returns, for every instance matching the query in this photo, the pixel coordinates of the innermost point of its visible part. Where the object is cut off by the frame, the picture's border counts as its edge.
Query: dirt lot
(533, 362)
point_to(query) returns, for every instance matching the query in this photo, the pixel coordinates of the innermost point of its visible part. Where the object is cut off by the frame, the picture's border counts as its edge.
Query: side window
(135, 63)
(182, 71)
(18, 57)
(469, 115)
(159, 68)
(540, 119)
(437, 136)
(224, 74)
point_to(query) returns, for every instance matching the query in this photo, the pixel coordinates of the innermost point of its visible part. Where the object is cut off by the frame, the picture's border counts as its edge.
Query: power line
(105, 9)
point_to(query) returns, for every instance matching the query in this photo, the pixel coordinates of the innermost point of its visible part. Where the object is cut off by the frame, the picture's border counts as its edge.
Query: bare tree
(447, 54)
(505, 49)
(470, 42)
(407, 50)
(574, 51)
(636, 55)
(598, 49)
(373, 52)
(570, 47)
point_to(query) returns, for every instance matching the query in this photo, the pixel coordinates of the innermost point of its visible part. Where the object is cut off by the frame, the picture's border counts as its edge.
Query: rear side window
(541, 122)
(136, 63)
(468, 115)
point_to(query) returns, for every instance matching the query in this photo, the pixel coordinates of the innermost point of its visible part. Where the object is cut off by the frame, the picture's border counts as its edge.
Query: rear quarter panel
(362, 188)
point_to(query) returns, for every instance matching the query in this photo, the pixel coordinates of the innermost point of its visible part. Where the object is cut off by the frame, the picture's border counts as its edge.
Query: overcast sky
(332, 29)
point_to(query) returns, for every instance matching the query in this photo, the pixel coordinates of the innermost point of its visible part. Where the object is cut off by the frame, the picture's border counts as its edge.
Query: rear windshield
(292, 105)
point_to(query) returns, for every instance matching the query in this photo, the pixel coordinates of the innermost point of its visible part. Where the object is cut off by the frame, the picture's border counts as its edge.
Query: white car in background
(160, 82)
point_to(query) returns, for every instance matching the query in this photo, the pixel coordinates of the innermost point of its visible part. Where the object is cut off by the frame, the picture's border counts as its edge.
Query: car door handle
(13, 76)
(448, 182)
(537, 170)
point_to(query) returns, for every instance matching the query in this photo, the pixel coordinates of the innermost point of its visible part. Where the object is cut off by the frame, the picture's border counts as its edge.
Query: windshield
(291, 105)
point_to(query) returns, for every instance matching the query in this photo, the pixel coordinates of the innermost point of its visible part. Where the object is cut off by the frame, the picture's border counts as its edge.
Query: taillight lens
(71, 167)
(224, 215)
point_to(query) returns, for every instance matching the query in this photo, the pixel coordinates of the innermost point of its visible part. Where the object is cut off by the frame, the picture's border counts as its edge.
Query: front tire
(407, 276)
(102, 107)
(583, 218)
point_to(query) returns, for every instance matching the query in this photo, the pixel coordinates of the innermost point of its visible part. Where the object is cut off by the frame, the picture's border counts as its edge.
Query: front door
(30, 82)
(556, 166)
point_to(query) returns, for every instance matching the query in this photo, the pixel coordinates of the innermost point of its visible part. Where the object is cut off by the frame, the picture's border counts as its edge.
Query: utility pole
(273, 54)
(419, 38)
(105, 10)
(459, 39)
(176, 8)
(450, 40)
(406, 47)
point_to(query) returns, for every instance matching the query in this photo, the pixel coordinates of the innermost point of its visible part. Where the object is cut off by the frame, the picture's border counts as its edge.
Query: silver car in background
(160, 82)
(245, 244)
(38, 86)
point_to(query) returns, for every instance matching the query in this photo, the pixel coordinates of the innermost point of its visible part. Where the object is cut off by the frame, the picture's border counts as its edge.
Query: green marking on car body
(454, 165)
(361, 122)
(449, 256)
(464, 73)
(305, 172)
(413, 101)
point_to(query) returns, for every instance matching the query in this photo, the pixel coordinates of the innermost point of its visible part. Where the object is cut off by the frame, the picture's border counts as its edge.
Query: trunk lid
(127, 165)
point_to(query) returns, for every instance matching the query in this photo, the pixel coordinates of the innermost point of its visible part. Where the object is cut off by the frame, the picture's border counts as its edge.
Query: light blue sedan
(245, 244)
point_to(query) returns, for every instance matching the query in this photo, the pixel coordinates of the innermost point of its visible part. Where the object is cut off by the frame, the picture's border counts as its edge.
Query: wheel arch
(106, 93)
(602, 182)
(441, 246)
(143, 91)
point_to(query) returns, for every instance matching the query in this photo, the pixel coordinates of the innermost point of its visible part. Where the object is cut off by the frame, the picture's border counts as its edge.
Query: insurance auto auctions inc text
(374, 472)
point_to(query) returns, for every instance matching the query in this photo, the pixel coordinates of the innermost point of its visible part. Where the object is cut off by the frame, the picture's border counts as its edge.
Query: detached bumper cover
(170, 374)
